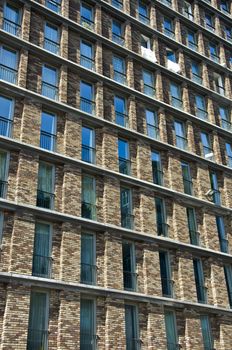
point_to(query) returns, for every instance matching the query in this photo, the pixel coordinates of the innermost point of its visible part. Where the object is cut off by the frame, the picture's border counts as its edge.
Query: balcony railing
(47, 140)
(87, 106)
(201, 293)
(157, 176)
(37, 339)
(194, 237)
(177, 102)
(53, 5)
(127, 220)
(208, 153)
(45, 199)
(153, 131)
(210, 27)
(201, 113)
(133, 344)
(229, 161)
(118, 39)
(129, 280)
(49, 90)
(88, 211)
(88, 341)
(88, 273)
(220, 89)
(162, 229)
(169, 33)
(144, 19)
(118, 4)
(214, 57)
(8, 74)
(226, 124)
(87, 62)
(149, 90)
(88, 154)
(197, 78)
(181, 142)
(167, 287)
(5, 126)
(193, 46)
(188, 14)
(173, 346)
(87, 23)
(224, 245)
(51, 46)
(167, 2)
(42, 266)
(121, 119)
(11, 27)
(124, 166)
(120, 77)
(188, 186)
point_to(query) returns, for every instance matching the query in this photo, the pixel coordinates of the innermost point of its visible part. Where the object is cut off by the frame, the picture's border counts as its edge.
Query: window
(192, 226)
(143, 13)
(124, 157)
(219, 84)
(192, 40)
(127, 218)
(12, 19)
(168, 27)
(117, 36)
(209, 22)
(145, 42)
(156, 168)
(51, 38)
(118, 4)
(200, 281)
(121, 116)
(180, 133)
(165, 273)
(152, 124)
(167, 2)
(206, 333)
(201, 111)
(225, 7)
(42, 261)
(87, 16)
(222, 234)
(171, 55)
(207, 148)
(1, 226)
(229, 154)
(148, 83)
(48, 131)
(88, 258)
(54, 5)
(86, 58)
(88, 338)
(161, 217)
(50, 82)
(175, 92)
(8, 65)
(213, 52)
(196, 73)
(214, 186)
(119, 69)
(3, 173)
(129, 266)
(187, 10)
(38, 321)
(45, 191)
(88, 145)
(6, 115)
(228, 33)
(171, 331)
(87, 98)
(187, 179)
(228, 277)
(224, 114)
(88, 206)
(132, 328)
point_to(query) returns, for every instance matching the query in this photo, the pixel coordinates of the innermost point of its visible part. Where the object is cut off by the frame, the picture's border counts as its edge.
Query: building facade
(116, 175)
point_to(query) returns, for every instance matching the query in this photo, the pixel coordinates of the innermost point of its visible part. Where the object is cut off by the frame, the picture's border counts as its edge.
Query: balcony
(127, 220)
(45, 199)
(88, 273)
(167, 287)
(42, 266)
(118, 39)
(50, 91)
(87, 106)
(11, 27)
(170, 33)
(88, 154)
(188, 14)
(87, 62)
(8, 74)
(88, 211)
(47, 140)
(51, 46)
(88, 341)
(133, 344)
(194, 237)
(197, 78)
(201, 113)
(226, 124)
(130, 280)
(120, 77)
(149, 90)
(224, 245)
(214, 58)
(3, 188)
(144, 19)
(176, 102)
(210, 27)
(124, 166)
(162, 229)
(37, 339)
(153, 131)
(121, 119)
(5, 126)
(157, 175)
(181, 142)
(53, 5)
(193, 46)
(118, 4)
(220, 89)
(201, 293)
(87, 23)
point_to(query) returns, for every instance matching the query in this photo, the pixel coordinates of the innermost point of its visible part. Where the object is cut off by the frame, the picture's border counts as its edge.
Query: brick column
(152, 285)
(186, 102)
(63, 84)
(205, 75)
(22, 68)
(143, 159)
(185, 286)
(110, 149)
(30, 122)
(146, 219)
(132, 112)
(99, 100)
(193, 334)
(71, 190)
(26, 22)
(72, 135)
(64, 41)
(175, 173)
(190, 136)
(156, 328)
(115, 331)
(98, 19)
(180, 222)
(98, 58)
(209, 236)
(128, 35)
(111, 201)
(162, 125)
(218, 285)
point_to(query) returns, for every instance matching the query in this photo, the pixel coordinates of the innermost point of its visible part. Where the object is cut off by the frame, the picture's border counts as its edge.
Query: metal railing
(201, 113)
(177, 102)
(3, 188)
(169, 33)
(88, 341)
(157, 175)
(224, 245)
(214, 57)
(11, 27)
(121, 119)
(181, 142)
(49, 90)
(51, 46)
(88, 273)
(124, 166)
(207, 150)
(162, 229)
(167, 2)
(201, 293)
(88, 210)
(193, 46)
(53, 5)
(149, 90)
(188, 186)
(188, 14)
(37, 339)
(153, 131)
(88, 154)
(118, 39)
(210, 27)
(133, 344)
(127, 220)
(118, 4)
(197, 78)
(130, 280)
(42, 266)
(167, 287)
(226, 124)
(229, 161)
(144, 19)
(45, 199)
(220, 89)
(87, 106)
(194, 237)
(8, 74)
(120, 77)
(87, 62)
(47, 140)
(87, 23)
(5, 126)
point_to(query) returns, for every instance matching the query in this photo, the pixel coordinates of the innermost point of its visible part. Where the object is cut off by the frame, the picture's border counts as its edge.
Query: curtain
(170, 325)
(206, 332)
(45, 182)
(38, 311)
(87, 249)
(2, 166)
(42, 249)
(8, 58)
(86, 322)
(131, 326)
(125, 200)
(88, 191)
